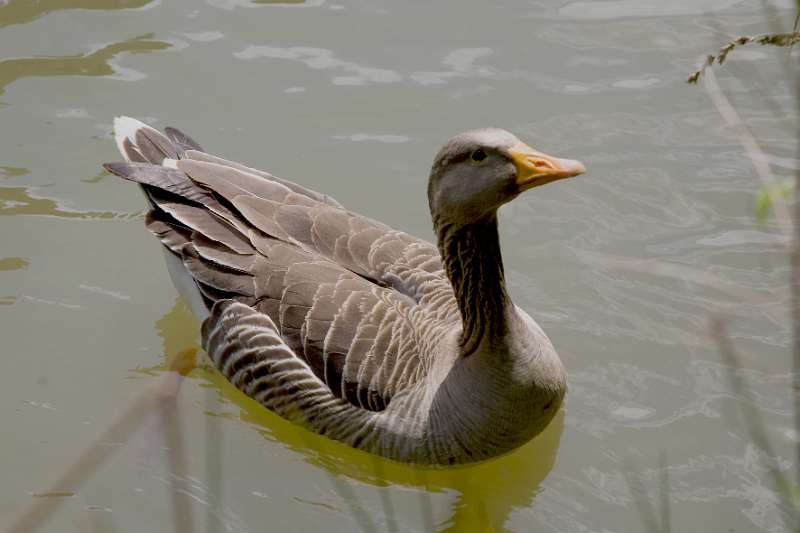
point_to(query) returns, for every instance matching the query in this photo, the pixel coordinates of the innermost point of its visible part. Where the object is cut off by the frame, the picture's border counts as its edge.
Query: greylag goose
(339, 323)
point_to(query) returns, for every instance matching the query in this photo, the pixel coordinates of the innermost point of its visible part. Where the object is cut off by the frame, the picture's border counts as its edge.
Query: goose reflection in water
(486, 493)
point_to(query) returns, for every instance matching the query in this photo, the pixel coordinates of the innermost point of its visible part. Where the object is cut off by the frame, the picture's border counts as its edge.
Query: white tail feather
(125, 128)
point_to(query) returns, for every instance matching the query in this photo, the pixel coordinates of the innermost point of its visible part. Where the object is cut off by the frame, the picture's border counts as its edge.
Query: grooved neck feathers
(474, 266)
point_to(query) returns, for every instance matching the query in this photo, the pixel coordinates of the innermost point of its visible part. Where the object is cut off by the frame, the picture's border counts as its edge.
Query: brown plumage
(342, 324)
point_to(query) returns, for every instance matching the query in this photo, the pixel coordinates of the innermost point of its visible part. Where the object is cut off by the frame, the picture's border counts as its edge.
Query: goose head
(479, 170)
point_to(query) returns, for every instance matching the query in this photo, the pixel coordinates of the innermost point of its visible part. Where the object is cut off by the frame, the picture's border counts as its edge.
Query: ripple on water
(229, 5)
(642, 8)
(323, 59)
(390, 138)
(204, 37)
(739, 480)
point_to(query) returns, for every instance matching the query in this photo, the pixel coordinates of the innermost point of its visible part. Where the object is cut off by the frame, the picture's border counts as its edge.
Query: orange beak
(535, 168)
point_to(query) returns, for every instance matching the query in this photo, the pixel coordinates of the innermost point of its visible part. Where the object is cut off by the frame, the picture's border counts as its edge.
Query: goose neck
(474, 266)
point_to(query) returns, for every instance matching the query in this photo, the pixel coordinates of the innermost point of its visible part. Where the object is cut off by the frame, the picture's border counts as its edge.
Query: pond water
(624, 267)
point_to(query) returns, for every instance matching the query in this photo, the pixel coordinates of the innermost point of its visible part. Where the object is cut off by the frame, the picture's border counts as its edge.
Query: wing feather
(333, 285)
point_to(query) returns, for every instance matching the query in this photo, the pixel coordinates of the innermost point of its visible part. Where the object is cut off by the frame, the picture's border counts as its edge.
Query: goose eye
(477, 157)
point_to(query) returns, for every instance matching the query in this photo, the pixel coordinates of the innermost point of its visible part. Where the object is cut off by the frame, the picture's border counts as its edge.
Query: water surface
(623, 267)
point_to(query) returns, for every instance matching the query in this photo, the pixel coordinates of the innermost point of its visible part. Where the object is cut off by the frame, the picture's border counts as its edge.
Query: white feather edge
(126, 128)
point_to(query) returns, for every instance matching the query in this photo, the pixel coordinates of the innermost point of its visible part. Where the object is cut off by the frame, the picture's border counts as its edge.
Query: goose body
(339, 323)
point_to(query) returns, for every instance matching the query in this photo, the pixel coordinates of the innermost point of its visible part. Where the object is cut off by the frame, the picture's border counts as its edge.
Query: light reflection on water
(622, 267)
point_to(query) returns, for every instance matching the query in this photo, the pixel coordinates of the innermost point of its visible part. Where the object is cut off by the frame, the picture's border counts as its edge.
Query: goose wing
(250, 352)
(317, 271)
(319, 224)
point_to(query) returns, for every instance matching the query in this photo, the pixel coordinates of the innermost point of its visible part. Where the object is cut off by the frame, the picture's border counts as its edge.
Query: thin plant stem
(795, 261)
(344, 491)
(752, 149)
(213, 466)
(796, 272)
(161, 393)
(424, 501)
(664, 490)
(751, 417)
(643, 504)
(386, 500)
(793, 76)
(356, 510)
(176, 457)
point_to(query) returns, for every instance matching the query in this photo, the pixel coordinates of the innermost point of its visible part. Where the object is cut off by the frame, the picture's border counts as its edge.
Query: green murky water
(622, 268)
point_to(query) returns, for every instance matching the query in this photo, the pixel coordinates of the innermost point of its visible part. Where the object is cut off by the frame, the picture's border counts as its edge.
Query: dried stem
(771, 39)
(752, 149)
(795, 262)
(655, 520)
(213, 459)
(181, 510)
(754, 424)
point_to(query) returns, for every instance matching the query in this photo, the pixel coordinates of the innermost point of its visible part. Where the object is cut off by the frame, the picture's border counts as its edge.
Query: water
(623, 267)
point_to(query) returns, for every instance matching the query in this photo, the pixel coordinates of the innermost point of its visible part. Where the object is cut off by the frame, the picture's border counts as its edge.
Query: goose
(343, 325)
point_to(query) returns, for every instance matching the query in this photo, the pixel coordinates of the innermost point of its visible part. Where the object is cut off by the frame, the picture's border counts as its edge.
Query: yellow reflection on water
(19, 201)
(13, 172)
(94, 64)
(487, 492)
(22, 11)
(13, 263)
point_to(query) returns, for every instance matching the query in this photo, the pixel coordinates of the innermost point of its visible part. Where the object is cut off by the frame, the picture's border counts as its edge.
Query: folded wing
(339, 287)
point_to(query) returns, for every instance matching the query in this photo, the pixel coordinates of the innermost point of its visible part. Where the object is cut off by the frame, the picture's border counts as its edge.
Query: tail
(139, 143)
(151, 157)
